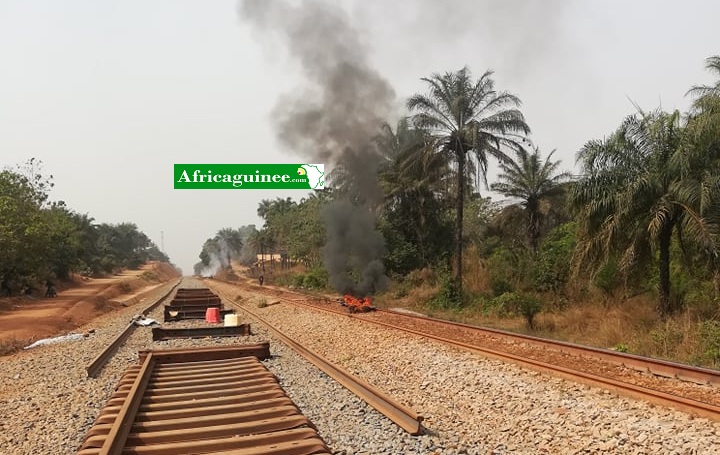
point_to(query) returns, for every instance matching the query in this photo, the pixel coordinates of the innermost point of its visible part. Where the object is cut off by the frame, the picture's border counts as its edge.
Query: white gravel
(471, 404)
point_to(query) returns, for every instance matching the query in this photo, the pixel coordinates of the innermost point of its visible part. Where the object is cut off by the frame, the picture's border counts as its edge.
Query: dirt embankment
(26, 319)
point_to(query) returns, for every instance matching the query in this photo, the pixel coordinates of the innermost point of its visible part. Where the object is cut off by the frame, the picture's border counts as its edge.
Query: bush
(297, 280)
(520, 303)
(448, 295)
(667, 338)
(315, 278)
(500, 286)
(710, 342)
(401, 290)
(621, 347)
(553, 263)
(608, 277)
(502, 267)
(416, 278)
(530, 306)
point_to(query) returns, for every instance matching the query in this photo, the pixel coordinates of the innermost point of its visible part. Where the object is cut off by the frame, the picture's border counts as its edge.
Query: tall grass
(629, 325)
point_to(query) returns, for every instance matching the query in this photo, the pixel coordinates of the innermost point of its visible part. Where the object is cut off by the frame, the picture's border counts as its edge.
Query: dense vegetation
(42, 240)
(641, 218)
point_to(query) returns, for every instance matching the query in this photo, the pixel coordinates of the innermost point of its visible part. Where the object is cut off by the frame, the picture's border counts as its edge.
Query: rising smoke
(332, 120)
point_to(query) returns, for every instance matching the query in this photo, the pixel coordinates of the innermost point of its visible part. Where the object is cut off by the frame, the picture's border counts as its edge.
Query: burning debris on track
(355, 305)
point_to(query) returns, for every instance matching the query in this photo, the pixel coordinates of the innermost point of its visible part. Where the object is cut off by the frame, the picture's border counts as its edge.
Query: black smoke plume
(332, 120)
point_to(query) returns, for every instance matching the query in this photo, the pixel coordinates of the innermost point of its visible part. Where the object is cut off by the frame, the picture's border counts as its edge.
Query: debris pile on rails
(357, 305)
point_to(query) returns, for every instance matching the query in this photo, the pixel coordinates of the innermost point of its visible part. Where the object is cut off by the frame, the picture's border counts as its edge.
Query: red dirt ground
(26, 319)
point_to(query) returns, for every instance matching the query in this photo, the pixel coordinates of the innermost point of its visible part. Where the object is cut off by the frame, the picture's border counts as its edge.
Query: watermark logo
(250, 176)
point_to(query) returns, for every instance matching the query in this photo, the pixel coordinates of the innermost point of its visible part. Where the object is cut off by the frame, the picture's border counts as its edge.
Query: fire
(356, 305)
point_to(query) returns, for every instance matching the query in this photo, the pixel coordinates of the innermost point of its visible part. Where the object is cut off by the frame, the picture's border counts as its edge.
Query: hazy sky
(110, 94)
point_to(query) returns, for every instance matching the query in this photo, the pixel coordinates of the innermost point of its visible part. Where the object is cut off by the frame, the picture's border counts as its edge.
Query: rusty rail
(184, 402)
(656, 366)
(99, 362)
(401, 415)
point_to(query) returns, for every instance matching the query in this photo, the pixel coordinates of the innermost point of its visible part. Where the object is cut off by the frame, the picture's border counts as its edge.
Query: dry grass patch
(10, 346)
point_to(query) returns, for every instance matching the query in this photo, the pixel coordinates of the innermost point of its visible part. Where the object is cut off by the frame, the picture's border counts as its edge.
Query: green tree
(307, 236)
(468, 118)
(63, 241)
(701, 161)
(633, 197)
(279, 220)
(706, 92)
(23, 224)
(230, 245)
(412, 178)
(536, 183)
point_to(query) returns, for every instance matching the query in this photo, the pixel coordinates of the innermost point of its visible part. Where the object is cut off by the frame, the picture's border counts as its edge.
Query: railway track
(611, 370)
(94, 368)
(407, 419)
(213, 399)
(206, 400)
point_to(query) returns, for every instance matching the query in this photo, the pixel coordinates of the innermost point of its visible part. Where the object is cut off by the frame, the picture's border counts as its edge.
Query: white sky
(110, 94)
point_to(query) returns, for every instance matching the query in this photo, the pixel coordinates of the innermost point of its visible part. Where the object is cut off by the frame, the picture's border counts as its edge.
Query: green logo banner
(250, 176)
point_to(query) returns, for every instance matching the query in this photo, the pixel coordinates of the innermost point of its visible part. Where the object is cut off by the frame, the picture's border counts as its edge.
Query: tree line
(44, 240)
(642, 216)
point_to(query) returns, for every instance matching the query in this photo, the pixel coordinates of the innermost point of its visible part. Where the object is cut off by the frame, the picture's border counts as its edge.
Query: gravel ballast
(471, 404)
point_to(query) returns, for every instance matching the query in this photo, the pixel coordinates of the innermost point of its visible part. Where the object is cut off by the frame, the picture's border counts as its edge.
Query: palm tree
(412, 178)
(279, 223)
(264, 208)
(410, 161)
(468, 119)
(701, 160)
(534, 182)
(703, 92)
(259, 241)
(634, 196)
(230, 242)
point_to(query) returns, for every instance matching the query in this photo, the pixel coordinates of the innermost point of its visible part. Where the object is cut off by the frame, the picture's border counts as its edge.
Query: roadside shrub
(297, 280)
(621, 347)
(315, 278)
(710, 342)
(608, 277)
(511, 303)
(401, 290)
(667, 338)
(417, 278)
(552, 269)
(502, 267)
(529, 307)
(448, 295)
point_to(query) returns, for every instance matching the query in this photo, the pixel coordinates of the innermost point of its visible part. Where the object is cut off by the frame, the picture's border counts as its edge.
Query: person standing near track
(51, 292)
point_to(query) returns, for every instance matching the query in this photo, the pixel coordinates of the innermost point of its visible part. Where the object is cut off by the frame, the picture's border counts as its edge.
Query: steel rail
(623, 388)
(204, 400)
(687, 405)
(117, 437)
(658, 367)
(94, 368)
(401, 415)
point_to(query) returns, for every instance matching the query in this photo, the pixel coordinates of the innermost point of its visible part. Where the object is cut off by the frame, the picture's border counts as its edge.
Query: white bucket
(231, 320)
